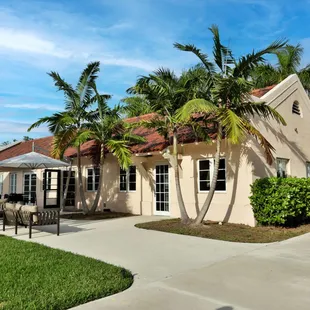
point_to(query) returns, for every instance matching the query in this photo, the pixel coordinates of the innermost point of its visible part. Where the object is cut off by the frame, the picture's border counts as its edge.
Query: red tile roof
(260, 92)
(153, 141)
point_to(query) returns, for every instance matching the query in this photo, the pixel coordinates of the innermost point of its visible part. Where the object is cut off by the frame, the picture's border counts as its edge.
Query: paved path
(181, 272)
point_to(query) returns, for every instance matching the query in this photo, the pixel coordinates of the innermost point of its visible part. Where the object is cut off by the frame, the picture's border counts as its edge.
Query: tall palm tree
(70, 126)
(112, 135)
(167, 93)
(136, 106)
(227, 101)
(288, 62)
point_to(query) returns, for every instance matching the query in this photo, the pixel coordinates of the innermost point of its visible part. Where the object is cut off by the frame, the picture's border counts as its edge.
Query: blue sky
(129, 37)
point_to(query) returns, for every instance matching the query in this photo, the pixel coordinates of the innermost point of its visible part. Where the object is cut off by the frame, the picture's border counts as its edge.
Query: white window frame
(308, 169)
(93, 179)
(211, 162)
(13, 178)
(1, 183)
(127, 190)
(287, 162)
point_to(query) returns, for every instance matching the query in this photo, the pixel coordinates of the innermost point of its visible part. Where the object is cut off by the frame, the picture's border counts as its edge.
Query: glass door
(70, 200)
(162, 190)
(30, 188)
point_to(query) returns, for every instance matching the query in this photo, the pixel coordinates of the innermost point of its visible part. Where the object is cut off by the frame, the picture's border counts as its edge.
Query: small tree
(167, 93)
(70, 126)
(227, 101)
(112, 135)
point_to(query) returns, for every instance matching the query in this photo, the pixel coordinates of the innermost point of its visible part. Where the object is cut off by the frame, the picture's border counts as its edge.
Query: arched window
(296, 108)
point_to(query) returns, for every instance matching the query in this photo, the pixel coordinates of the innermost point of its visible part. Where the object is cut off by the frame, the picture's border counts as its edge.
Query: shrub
(281, 201)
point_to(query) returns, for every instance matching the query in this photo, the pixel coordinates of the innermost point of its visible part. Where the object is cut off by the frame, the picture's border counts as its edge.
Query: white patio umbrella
(32, 160)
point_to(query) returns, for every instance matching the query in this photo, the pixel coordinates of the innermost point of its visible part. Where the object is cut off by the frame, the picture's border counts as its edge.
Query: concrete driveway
(182, 272)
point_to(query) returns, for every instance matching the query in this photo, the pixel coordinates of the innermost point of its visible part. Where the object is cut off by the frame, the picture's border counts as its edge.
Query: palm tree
(227, 101)
(136, 106)
(166, 93)
(70, 126)
(112, 135)
(288, 62)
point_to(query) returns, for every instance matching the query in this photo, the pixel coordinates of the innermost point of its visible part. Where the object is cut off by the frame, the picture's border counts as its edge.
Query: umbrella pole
(32, 146)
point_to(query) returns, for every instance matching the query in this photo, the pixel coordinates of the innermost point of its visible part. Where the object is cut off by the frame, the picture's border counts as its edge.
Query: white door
(162, 190)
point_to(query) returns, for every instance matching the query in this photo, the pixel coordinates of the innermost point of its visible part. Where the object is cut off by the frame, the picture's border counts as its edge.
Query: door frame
(30, 173)
(63, 185)
(58, 193)
(155, 212)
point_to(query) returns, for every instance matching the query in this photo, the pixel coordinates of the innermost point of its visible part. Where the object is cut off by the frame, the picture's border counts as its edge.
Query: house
(148, 187)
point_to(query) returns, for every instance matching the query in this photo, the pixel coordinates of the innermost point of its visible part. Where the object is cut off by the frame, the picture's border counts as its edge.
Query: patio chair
(29, 216)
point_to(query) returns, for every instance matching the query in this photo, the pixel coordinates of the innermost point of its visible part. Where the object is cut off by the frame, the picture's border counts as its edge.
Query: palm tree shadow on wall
(258, 166)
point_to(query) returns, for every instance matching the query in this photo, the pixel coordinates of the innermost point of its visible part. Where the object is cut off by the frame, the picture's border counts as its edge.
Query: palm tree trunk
(184, 216)
(66, 188)
(209, 198)
(80, 181)
(98, 194)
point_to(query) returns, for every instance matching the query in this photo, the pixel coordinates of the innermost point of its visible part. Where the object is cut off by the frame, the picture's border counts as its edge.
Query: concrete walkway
(182, 272)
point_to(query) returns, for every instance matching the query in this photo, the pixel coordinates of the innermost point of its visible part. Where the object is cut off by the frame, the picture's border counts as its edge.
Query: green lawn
(227, 232)
(37, 277)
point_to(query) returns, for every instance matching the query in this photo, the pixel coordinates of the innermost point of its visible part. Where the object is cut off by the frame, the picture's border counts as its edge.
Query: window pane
(132, 186)
(204, 165)
(204, 176)
(221, 175)
(222, 163)
(204, 186)
(220, 186)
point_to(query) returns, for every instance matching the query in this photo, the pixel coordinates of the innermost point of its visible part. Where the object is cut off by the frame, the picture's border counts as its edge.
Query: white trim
(164, 213)
(93, 190)
(30, 183)
(211, 161)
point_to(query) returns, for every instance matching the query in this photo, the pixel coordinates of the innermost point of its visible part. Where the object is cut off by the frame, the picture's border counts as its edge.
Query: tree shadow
(225, 308)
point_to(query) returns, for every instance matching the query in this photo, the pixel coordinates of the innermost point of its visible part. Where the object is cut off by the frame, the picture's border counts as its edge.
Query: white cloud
(18, 40)
(14, 127)
(32, 106)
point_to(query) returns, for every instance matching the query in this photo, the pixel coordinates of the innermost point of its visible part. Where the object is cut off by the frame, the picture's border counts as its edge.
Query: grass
(37, 277)
(227, 232)
(96, 216)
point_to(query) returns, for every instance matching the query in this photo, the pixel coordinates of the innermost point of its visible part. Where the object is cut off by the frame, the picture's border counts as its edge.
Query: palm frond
(195, 106)
(232, 125)
(121, 152)
(264, 143)
(246, 64)
(86, 86)
(203, 57)
(222, 54)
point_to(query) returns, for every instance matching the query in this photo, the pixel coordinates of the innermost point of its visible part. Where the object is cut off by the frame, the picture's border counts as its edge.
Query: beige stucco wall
(231, 205)
(291, 141)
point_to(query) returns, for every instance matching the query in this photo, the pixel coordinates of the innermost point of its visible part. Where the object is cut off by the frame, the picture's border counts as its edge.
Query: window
(1, 184)
(282, 164)
(47, 181)
(308, 169)
(127, 179)
(206, 169)
(13, 183)
(296, 108)
(93, 179)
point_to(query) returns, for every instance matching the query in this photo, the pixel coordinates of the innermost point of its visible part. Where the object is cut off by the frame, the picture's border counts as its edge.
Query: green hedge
(281, 201)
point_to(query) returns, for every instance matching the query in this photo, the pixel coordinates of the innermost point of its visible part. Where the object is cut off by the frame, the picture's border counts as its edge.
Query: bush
(281, 201)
